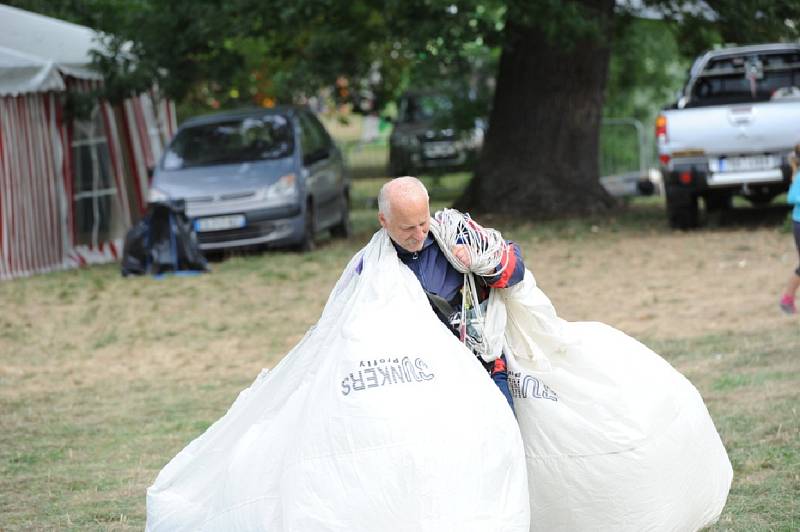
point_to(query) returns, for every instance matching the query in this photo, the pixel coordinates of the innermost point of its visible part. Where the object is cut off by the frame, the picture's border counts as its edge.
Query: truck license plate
(744, 163)
(219, 223)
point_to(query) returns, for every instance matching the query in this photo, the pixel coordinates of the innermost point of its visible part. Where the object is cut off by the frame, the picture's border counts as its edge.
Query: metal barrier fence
(624, 161)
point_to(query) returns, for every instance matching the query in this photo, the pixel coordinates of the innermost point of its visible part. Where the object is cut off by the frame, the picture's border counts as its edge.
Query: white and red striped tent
(71, 184)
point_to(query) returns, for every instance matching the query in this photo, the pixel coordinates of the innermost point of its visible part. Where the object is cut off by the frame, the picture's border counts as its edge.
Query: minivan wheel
(309, 230)
(343, 229)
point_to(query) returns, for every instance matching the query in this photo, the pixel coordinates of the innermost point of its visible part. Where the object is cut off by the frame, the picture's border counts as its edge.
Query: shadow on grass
(747, 217)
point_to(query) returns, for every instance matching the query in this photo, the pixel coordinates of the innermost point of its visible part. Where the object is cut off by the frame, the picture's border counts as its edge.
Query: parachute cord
(488, 252)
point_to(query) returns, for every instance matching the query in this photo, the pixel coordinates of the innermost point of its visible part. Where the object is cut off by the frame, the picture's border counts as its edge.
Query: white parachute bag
(378, 420)
(615, 438)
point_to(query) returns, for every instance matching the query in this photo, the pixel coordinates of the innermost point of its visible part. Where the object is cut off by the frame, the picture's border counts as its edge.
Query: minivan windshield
(421, 107)
(231, 141)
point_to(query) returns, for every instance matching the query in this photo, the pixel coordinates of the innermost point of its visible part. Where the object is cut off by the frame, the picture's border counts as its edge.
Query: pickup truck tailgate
(736, 129)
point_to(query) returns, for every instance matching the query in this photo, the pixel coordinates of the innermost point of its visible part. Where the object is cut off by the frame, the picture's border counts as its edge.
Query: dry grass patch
(104, 379)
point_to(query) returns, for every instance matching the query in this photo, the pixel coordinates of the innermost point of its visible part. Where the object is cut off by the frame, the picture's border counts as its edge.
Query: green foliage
(646, 66)
(749, 21)
(700, 27)
(564, 24)
(227, 53)
(213, 54)
(645, 72)
(79, 105)
(651, 57)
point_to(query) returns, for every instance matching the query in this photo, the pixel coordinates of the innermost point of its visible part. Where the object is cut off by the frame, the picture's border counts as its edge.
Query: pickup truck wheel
(682, 210)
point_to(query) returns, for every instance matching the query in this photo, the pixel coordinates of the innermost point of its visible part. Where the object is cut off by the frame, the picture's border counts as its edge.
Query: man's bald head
(401, 190)
(404, 212)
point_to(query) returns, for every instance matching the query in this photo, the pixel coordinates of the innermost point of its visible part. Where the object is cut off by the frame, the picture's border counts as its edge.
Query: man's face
(408, 222)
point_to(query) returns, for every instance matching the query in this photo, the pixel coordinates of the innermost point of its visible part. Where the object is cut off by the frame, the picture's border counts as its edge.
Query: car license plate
(219, 223)
(439, 149)
(744, 163)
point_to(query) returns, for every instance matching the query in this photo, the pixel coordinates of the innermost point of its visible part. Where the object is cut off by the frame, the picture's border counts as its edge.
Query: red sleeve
(514, 270)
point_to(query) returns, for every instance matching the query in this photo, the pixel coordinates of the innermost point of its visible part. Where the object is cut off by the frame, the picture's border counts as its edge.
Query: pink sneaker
(787, 304)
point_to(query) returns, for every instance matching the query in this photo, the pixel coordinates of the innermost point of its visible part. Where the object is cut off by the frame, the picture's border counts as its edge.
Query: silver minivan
(256, 177)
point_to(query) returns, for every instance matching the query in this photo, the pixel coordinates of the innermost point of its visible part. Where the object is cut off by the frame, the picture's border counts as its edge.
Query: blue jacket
(793, 197)
(438, 276)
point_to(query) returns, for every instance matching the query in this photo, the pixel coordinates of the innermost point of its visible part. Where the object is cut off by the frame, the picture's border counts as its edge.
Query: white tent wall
(137, 131)
(32, 220)
(48, 48)
(42, 61)
(147, 123)
(150, 121)
(159, 113)
(139, 141)
(95, 174)
(113, 133)
(132, 154)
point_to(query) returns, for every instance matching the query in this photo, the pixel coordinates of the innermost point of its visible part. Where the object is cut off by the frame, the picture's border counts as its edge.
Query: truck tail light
(664, 159)
(685, 178)
(661, 128)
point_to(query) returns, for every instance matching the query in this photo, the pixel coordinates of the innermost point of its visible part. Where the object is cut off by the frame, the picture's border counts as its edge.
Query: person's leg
(793, 284)
(499, 374)
(787, 301)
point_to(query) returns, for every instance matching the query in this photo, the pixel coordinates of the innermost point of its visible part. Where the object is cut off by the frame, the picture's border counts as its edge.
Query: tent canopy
(37, 51)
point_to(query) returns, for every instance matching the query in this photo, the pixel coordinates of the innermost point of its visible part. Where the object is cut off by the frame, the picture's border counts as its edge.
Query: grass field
(104, 379)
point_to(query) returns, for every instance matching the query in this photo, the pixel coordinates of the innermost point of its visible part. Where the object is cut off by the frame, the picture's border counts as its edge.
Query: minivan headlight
(283, 189)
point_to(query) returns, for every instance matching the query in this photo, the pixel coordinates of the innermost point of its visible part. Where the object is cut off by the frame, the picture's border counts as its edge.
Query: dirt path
(672, 284)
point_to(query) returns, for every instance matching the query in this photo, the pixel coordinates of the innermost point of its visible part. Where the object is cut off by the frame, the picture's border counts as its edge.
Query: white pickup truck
(731, 130)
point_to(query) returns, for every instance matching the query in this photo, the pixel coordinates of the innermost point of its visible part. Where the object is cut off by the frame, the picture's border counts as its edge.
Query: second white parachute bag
(615, 438)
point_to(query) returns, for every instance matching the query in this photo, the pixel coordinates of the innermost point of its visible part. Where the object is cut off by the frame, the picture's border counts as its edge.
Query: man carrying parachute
(383, 419)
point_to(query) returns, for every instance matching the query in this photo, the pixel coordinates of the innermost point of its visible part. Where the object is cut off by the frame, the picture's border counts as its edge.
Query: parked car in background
(256, 177)
(731, 130)
(425, 139)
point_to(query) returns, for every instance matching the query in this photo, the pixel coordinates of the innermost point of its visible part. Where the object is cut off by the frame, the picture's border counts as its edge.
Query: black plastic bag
(162, 242)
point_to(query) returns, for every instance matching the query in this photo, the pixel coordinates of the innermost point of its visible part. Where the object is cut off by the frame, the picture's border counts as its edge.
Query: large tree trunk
(540, 155)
